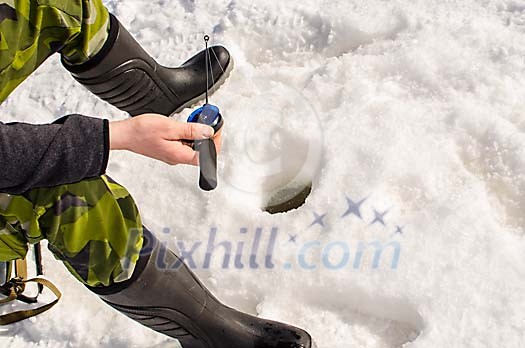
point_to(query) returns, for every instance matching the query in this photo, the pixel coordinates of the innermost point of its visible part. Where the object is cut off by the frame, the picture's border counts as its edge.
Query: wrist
(119, 135)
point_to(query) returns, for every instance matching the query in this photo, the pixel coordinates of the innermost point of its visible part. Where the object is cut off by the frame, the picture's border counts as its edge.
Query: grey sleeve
(73, 148)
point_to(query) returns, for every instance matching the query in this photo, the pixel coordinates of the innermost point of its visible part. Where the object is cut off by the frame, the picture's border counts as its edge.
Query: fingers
(190, 131)
(182, 154)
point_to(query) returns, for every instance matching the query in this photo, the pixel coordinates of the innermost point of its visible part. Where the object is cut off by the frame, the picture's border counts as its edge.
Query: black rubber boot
(126, 76)
(166, 296)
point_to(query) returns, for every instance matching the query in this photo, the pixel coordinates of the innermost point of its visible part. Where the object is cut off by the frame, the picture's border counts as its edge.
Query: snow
(415, 105)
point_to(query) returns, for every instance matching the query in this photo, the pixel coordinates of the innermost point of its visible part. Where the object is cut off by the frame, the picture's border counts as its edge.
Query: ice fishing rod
(209, 115)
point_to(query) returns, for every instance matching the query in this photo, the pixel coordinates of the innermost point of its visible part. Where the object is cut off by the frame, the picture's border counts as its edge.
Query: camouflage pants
(93, 226)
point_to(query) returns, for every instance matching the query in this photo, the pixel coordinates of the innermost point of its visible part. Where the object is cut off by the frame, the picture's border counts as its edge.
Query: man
(53, 184)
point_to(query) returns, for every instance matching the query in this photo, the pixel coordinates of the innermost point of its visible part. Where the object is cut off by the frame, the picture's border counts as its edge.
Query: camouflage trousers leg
(92, 226)
(32, 30)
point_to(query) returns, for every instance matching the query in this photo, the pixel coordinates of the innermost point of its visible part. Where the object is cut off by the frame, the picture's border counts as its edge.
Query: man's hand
(161, 138)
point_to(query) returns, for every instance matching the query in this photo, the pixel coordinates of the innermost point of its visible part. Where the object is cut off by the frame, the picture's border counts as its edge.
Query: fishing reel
(210, 116)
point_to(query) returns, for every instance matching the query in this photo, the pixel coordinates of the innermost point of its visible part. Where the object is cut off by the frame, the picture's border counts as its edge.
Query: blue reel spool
(208, 115)
(211, 116)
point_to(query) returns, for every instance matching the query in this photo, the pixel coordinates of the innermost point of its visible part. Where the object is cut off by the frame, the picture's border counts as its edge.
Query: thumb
(192, 131)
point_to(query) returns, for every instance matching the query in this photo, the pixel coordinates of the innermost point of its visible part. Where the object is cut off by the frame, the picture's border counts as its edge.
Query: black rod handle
(207, 164)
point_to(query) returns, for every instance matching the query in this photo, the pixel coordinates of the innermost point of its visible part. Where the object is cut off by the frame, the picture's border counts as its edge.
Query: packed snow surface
(415, 107)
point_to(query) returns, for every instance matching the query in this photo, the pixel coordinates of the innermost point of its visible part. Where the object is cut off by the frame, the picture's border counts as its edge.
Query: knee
(91, 35)
(96, 230)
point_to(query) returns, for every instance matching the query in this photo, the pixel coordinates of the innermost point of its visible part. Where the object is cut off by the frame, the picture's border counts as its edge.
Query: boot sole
(211, 91)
